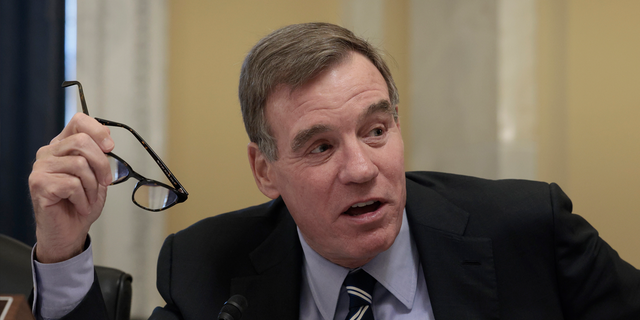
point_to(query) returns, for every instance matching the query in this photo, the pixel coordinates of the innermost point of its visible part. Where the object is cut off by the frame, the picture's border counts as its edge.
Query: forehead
(351, 85)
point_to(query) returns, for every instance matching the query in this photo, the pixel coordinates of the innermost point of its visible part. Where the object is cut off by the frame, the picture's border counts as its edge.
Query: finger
(82, 145)
(82, 123)
(50, 189)
(71, 165)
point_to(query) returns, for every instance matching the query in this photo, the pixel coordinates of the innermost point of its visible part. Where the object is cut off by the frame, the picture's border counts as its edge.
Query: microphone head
(233, 308)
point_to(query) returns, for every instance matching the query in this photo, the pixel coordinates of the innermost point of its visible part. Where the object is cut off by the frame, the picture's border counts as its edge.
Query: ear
(262, 171)
(398, 119)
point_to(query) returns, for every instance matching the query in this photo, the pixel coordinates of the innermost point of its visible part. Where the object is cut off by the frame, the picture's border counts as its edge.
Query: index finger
(82, 123)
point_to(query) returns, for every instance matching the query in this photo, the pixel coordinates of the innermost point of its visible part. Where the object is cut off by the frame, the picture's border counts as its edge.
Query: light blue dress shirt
(59, 287)
(401, 291)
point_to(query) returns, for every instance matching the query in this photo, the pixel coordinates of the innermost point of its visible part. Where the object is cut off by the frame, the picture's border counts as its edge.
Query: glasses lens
(154, 197)
(119, 172)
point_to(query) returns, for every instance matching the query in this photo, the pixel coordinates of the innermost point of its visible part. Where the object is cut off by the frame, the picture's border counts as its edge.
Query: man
(320, 108)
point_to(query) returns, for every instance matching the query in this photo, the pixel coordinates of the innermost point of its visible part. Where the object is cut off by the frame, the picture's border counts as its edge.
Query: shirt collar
(389, 268)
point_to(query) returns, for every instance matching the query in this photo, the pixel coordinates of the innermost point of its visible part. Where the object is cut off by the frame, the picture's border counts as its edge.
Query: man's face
(340, 167)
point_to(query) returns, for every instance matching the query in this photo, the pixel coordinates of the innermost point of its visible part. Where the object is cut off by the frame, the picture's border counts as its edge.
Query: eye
(321, 148)
(377, 132)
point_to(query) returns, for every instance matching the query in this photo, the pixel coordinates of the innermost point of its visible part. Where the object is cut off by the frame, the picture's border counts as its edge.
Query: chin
(369, 248)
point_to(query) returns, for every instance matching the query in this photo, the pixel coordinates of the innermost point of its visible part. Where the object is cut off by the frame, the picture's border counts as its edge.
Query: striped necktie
(359, 286)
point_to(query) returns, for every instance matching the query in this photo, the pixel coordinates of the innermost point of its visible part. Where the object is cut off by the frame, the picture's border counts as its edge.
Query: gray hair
(292, 56)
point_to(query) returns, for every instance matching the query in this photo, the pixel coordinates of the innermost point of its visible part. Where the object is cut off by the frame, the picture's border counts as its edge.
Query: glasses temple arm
(152, 153)
(82, 100)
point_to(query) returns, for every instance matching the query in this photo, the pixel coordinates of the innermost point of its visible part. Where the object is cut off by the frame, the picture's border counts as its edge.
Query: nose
(358, 166)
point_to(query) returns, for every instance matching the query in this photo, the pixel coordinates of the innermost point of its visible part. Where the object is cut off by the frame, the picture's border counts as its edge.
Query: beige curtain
(473, 87)
(121, 59)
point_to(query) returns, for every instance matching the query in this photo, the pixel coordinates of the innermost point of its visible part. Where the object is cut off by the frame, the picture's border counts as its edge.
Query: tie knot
(359, 286)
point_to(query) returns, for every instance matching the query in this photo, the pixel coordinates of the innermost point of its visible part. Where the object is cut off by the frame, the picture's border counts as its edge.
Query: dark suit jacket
(508, 249)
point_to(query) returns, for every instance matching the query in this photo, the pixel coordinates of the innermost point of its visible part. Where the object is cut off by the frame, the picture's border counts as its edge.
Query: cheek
(305, 191)
(307, 188)
(315, 181)
(393, 156)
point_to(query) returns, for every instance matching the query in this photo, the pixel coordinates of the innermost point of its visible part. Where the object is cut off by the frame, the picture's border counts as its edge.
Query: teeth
(362, 204)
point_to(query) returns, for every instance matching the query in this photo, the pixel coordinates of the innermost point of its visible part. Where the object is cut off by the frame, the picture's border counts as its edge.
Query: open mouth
(363, 207)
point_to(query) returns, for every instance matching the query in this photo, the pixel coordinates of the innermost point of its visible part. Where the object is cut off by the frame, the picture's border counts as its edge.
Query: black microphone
(233, 308)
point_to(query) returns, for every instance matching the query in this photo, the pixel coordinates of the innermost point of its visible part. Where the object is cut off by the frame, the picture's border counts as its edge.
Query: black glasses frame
(179, 190)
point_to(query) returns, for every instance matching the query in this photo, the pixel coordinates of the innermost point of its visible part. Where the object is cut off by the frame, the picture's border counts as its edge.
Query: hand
(68, 186)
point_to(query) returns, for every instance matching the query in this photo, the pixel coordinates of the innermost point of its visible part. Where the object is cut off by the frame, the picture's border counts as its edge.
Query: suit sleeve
(92, 305)
(594, 282)
(169, 311)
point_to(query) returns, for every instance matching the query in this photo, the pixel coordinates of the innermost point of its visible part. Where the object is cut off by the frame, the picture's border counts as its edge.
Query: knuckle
(35, 180)
(79, 116)
(42, 152)
(80, 141)
(83, 139)
(79, 162)
(71, 183)
(105, 130)
(75, 184)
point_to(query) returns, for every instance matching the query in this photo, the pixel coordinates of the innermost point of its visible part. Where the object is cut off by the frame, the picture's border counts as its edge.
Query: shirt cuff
(59, 287)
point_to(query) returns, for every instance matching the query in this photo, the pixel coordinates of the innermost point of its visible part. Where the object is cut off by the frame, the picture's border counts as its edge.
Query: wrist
(46, 253)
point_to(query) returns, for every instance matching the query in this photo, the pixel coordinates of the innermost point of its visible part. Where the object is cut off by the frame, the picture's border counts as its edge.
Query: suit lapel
(459, 270)
(274, 292)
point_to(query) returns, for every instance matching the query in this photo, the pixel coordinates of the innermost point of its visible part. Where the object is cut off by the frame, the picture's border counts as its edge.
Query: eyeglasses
(148, 194)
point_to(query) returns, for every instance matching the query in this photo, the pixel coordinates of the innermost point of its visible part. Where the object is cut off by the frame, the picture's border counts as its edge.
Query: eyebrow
(305, 135)
(382, 106)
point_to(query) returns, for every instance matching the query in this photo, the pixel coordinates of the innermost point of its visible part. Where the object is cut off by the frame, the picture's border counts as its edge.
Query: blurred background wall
(533, 89)
(589, 108)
